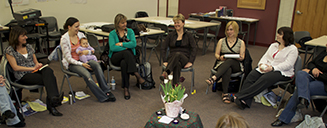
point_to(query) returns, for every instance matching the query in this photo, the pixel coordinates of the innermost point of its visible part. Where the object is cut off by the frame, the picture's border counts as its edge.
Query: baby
(85, 46)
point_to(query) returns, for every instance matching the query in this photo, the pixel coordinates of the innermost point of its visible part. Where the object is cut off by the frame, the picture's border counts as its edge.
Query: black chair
(140, 14)
(54, 33)
(298, 35)
(316, 97)
(8, 74)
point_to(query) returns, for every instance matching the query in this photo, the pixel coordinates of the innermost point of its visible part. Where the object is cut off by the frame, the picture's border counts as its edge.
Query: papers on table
(165, 119)
(232, 56)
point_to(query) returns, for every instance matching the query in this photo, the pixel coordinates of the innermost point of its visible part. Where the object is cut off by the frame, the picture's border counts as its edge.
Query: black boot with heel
(52, 103)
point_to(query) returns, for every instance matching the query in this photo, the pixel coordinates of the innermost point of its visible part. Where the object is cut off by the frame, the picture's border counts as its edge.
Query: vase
(173, 108)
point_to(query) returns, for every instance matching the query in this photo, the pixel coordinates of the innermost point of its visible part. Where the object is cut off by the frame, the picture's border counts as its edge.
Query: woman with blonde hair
(226, 66)
(182, 50)
(232, 120)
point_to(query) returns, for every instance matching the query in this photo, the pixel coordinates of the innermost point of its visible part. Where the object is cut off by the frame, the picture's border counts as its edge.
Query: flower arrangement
(173, 97)
(172, 94)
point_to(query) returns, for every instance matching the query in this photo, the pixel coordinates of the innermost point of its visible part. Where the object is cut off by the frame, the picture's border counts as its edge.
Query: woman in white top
(277, 64)
(69, 42)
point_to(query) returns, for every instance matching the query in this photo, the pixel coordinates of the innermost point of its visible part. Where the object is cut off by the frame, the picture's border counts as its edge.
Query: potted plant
(173, 97)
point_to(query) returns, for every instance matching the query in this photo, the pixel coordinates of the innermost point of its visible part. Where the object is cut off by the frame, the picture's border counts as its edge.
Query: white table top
(4, 28)
(320, 41)
(245, 19)
(169, 22)
(84, 28)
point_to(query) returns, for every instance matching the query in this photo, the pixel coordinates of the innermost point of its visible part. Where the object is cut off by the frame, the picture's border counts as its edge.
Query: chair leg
(108, 77)
(278, 106)
(41, 91)
(70, 87)
(192, 84)
(323, 112)
(313, 107)
(18, 101)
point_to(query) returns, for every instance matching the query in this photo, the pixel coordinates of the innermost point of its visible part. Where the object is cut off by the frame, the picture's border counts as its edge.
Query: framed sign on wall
(252, 4)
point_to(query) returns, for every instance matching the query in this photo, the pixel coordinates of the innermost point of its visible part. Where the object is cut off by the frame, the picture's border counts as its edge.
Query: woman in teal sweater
(122, 45)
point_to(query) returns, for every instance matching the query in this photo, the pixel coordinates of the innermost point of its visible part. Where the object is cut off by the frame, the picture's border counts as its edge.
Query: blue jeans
(306, 86)
(99, 92)
(6, 104)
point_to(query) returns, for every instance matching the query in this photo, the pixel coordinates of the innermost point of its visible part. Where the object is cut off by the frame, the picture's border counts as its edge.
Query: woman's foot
(240, 103)
(277, 123)
(210, 81)
(54, 111)
(226, 98)
(303, 103)
(7, 115)
(127, 95)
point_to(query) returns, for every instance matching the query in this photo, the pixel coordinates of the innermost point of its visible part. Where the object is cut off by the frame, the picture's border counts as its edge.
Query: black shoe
(127, 97)
(277, 123)
(54, 111)
(8, 115)
(111, 98)
(19, 124)
(303, 103)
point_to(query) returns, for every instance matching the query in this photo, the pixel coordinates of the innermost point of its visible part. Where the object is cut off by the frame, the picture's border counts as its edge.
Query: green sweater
(113, 39)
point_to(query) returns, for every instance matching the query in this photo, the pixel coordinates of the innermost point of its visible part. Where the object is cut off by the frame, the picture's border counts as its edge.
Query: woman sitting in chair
(7, 108)
(226, 66)
(182, 50)
(69, 42)
(310, 81)
(23, 61)
(277, 64)
(122, 52)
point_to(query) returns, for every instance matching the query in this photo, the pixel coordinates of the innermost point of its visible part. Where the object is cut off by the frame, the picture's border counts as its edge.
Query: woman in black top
(182, 50)
(310, 81)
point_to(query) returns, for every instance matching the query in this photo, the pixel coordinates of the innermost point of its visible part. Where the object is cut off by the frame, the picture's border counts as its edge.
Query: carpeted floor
(134, 113)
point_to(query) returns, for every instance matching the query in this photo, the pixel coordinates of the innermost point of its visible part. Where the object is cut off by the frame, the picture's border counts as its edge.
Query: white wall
(93, 10)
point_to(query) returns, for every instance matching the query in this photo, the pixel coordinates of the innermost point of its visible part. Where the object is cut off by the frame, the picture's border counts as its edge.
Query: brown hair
(234, 25)
(232, 120)
(70, 22)
(83, 38)
(179, 17)
(118, 18)
(287, 33)
(15, 32)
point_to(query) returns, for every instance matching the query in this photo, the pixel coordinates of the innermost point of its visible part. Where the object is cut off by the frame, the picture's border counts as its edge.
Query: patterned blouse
(21, 60)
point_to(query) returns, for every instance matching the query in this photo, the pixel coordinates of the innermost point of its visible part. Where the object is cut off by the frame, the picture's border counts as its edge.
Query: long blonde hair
(232, 120)
(235, 27)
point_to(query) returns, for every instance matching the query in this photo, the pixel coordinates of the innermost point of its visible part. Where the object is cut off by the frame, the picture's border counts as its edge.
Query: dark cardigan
(322, 66)
(187, 47)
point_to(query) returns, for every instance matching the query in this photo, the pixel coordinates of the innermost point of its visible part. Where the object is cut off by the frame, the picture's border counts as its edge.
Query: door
(311, 15)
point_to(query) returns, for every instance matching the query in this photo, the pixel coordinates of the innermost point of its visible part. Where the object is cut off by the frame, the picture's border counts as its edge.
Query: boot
(51, 108)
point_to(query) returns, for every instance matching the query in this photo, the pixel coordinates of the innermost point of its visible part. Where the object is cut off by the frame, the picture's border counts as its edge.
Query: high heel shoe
(210, 81)
(127, 97)
(54, 111)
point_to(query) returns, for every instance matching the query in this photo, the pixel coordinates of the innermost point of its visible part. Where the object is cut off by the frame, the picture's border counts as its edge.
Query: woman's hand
(2, 81)
(165, 64)
(38, 65)
(222, 58)
(189, 64)
(87, 66)
(119, 44)
(316, 72)
(306, 70)
(267, 69)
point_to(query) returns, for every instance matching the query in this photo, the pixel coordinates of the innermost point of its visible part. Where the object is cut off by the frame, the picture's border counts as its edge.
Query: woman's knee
(47, 70)
(301, 73)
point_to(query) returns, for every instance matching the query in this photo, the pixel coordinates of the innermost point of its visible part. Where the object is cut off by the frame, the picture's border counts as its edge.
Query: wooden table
(143, 36)
(3, 30)
(317, 42)
(244, 20)
(189, 24)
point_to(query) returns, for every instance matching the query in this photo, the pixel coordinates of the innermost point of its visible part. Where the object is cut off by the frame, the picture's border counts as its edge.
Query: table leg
(1, 44)
(248, 36)
(160, 49)
(255, 32)
(205, 40)
(143, 49)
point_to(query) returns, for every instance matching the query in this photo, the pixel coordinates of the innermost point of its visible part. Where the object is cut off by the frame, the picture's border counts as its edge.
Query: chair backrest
(63, 69)
(215, 28)
(141, 14)
(300, 34)
(94, 42)
(298, 64)
(52, 23)
(195, 19)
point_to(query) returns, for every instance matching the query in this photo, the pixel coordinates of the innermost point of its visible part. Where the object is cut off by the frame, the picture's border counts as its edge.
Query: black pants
(225, 70)
(44, 77)
(176, 61)
(126, 60)
(256, 82)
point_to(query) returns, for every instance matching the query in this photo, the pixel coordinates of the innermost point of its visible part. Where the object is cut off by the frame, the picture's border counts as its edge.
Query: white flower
(166, 81)
(170, 77)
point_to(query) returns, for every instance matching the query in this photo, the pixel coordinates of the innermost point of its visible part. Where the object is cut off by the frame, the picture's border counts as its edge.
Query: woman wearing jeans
(310, 81)
(69, 42)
